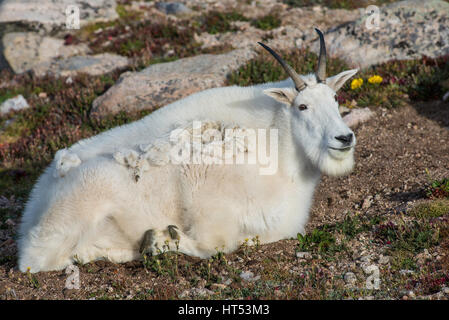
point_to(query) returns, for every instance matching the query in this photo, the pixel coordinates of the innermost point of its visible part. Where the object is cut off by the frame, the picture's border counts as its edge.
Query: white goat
(116, 195)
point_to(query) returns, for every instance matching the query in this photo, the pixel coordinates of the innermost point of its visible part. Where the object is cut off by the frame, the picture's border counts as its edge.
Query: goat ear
(283, 95)
(337, 81)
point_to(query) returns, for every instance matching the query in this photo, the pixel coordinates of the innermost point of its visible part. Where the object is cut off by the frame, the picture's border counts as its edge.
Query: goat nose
(347, 139)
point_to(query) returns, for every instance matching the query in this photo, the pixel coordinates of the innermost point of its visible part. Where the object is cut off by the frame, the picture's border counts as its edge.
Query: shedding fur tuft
(65, 161)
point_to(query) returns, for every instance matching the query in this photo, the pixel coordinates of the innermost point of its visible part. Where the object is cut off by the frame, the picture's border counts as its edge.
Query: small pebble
(304, 255)
(350, 278)
(249, 276)
(384, 259)
(218, 286)
(405, 272)
(16, 103)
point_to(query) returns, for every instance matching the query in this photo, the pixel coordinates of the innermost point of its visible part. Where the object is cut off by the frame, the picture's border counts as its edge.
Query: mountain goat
(120, 194)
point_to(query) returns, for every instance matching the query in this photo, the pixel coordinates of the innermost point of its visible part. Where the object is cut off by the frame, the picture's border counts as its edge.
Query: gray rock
(369, 268)
(10, 222)
(367, 202)
(384, 259)
(16, 103)
(164, 83)
(304, 255)
(406, 272)
(406, 30)
(249, 276)
(50, 15)
(446, 96)
(92, 65)
(350, 279)
(201, 292)
(366, 258)
(172, 8)
(357, 116)
(367, 298)
(195, 292)
(25, 50)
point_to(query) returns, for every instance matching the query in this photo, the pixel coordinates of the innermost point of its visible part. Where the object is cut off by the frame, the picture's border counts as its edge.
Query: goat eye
(302, 107)
(336, 98)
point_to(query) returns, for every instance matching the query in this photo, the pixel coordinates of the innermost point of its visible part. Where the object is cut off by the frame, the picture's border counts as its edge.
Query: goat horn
(321, 71)
(299, 83)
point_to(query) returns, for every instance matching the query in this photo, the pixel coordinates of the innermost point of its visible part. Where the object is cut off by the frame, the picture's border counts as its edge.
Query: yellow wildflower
(375, 79)
(356, 83)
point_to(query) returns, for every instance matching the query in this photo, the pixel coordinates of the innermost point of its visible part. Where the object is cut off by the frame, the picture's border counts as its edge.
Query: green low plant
(165, 262)
(268, 22)
(431, 209)
(318, 240)
(219, 22)
(413, 237)
(438, 189)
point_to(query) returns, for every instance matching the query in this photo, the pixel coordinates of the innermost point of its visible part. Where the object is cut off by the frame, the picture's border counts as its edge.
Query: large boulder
(25, 27)
(163, 83)
(405, 30)
(25, 50)
(50, 15)
(356, 116)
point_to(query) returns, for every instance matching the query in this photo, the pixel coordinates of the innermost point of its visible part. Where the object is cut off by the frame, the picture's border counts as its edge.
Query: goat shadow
(437, 111)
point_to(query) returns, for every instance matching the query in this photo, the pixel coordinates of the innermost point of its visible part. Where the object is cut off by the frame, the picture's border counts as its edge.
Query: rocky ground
(380, 233)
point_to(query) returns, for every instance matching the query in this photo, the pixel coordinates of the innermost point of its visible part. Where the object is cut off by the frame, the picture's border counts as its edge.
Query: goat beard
(332, 166)
(337, 167)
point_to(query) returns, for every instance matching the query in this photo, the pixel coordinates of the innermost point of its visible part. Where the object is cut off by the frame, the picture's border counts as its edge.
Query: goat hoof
(147, 242)
(172, 231)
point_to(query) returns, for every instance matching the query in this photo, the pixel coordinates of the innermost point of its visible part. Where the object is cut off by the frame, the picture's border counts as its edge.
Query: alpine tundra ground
(380, 233)
(386, 213)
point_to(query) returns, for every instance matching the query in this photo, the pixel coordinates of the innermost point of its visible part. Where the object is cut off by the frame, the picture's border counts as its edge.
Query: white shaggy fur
(97, 199)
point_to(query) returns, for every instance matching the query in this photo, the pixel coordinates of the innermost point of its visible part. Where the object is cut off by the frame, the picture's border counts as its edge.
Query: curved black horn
(299, 83)
(321, 70)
